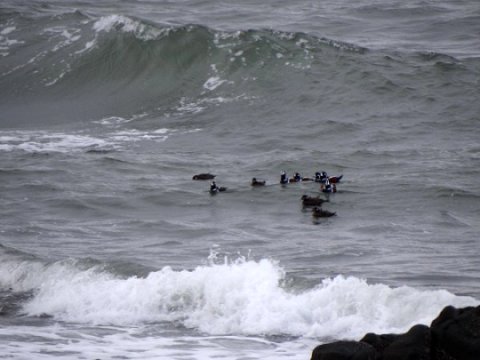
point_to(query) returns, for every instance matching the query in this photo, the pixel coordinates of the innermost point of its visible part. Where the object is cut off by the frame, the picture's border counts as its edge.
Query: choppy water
(108, 247)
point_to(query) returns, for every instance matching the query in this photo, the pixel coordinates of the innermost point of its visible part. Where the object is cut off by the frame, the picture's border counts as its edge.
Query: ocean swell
(77, 68)
(133, 64)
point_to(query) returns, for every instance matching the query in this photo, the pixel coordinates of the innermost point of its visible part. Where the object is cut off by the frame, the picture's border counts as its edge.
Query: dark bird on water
(312, 201)
(317, 213)
(203, 176)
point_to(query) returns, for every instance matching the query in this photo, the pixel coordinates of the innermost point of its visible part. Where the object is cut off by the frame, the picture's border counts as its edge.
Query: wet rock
(456, 333)
(453, 335)
(344, 350)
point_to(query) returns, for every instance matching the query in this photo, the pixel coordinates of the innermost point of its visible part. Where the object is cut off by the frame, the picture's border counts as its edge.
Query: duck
(256, 182)
(328, 188)
(335, 179)
(203, 176)
(215, 189)
(322, 177)
(317, 212)
(296, 177)
(312, 201)
(284, 178)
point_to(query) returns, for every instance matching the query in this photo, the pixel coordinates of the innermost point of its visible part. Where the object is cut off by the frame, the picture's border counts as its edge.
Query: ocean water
(109, 249)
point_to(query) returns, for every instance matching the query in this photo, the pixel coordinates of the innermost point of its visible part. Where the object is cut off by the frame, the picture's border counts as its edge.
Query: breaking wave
(137, 67)
(232, 297)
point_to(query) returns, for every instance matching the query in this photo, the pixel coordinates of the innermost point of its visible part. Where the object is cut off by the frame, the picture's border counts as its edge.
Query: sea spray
(237, 297)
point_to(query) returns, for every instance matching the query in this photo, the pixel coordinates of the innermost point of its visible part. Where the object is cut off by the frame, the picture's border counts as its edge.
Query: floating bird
(312, 201)
(256, 182)
(317, 212)
(215, 189)
(203, 176)
(322, 177)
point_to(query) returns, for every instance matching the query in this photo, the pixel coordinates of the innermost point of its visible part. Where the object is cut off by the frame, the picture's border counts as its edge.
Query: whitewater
(109, 249)
(97, 312)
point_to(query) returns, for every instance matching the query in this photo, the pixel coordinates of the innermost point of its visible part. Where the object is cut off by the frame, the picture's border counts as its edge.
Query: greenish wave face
(77, 68)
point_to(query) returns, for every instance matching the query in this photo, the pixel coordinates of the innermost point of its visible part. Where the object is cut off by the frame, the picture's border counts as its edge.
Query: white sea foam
(29, 62)
(116, 121)
(241, 298)
(189, 108)
(7, 30)
(59, 77)
(88, 45)
(213, 83)
(220, 37)
(45, 142)
(66, 36)
(5, 42)
(215, 80)
(198, 106)
(137, 135)
(31, 141)
(132, 343)
(125, 24)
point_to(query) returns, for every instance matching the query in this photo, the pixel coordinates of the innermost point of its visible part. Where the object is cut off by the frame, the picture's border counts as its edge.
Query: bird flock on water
(328, 185)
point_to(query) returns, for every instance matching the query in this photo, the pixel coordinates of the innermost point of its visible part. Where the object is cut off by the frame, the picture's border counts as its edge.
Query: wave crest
(240, 297)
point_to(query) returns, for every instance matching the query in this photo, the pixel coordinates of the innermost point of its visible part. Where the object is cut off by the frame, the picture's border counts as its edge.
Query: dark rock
(379, 342)
(456, 334)
(344, 350)
(414, 345)
(453, 335)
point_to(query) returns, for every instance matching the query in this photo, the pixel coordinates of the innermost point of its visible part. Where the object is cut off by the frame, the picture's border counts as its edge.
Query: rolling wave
(234, 297)
(69, 62)
(129, 50)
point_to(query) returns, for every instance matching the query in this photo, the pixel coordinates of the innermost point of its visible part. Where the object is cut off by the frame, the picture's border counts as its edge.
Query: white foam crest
(213, 82)
(254, 303)
(125, 24)
(66, 36)
(17, 274)
(59, 77)
(137, 135)
(190, 108)
(26, 275)
(116, 121)
(244, 297)
(5, 42)
(200, 105)
(88, 46)
(8, 30)
(113, 121)
(222, 36)
(29, 62)
(44, 142)
(31, 141)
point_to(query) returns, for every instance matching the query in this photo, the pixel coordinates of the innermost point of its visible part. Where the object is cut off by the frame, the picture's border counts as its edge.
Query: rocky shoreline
(453, 335)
